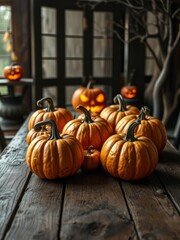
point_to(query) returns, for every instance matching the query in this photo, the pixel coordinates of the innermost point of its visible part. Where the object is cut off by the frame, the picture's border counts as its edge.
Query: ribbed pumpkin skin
(152, 128)
(60, 115)
(94, 133)
(32, 134)
(57, 158)
(113, 115)
(128, 160)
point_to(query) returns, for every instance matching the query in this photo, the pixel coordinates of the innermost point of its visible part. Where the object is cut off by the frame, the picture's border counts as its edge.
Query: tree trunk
(158, 108)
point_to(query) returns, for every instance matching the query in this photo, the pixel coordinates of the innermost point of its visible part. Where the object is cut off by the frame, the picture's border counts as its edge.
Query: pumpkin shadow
(169, 156)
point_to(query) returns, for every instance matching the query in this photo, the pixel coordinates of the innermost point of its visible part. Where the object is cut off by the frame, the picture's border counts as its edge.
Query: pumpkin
(60, 115)
(91, 158)
(93, 99)
(33, 133)
(129, 91)
(114, 113)
(129, 157)
(13, 72)
(89, 131)
(58, 156)
(150, 127)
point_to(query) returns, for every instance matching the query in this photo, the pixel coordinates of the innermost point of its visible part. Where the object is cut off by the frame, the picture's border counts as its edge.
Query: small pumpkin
(129, 157)
(60, 115)
(58, 156)
(149, 126)
(129, 91)
(114, 113)
(91, 158)
(93, 99)
(32, 133)
(13, 72)
(89, 131)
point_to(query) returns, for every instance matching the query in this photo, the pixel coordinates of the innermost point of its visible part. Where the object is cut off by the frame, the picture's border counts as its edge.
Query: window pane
(103, 23)
(50, 92)
(74, 68)
(149, 66)
(49, 68)
(102, 48)
(73, 24)
(102, 68)
(49, 46)
(48, 20)
(74, 47)
(5, 18)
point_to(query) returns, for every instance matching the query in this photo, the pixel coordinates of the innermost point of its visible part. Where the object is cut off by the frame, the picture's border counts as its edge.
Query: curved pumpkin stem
(54, 131)
(50, 106)
(130, 132)
(143, 113)
(87, 115)
(89, 149)
(90, 84)
(120, 100)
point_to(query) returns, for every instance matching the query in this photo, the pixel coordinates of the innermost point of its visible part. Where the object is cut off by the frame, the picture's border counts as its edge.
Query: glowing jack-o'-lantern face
(13, 72)
(129, 91)
(93, 99)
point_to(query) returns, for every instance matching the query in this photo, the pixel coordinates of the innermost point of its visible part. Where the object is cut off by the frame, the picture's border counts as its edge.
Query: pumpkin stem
(120, 100)
(50, 107)
(143, 113)
(54, 131)
(87, 115)
(130, 132)
(90, 84)
(89, 149)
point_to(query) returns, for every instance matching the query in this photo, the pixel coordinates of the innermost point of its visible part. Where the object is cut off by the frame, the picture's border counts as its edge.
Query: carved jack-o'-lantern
(13, 72)
(93, 99)
(129, 91)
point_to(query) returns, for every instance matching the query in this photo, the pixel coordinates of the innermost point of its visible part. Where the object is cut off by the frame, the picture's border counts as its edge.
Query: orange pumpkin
(89, 131)
(93, 99)
(129, 91)
(91, 158)
(32, 134)
(60, 115)
(129, 157)
(58, 156)
(150, 127)
(13, 72)
(114, 113)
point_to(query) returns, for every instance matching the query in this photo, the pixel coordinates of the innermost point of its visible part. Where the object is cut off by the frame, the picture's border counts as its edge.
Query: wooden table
(88, 205)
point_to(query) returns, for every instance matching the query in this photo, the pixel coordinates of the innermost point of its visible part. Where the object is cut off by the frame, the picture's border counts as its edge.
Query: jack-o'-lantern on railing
(13, 72)
(92, 98)
(129, 90)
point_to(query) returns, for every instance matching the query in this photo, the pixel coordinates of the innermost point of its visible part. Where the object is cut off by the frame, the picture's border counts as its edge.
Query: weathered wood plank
(94, 208)
(13, 177)
(39, 212)
(168, 171)
(154, 214)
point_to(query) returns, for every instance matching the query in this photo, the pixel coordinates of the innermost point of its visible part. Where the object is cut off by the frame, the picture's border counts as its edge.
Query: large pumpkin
(55, 157)
(129, 157)
(93, 99)
(13, 72)
(149, 126)
(114, 113)
(60, 115)
(89, 131)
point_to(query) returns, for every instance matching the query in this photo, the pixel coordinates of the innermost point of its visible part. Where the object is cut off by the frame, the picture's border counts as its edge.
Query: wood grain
(94, 208)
